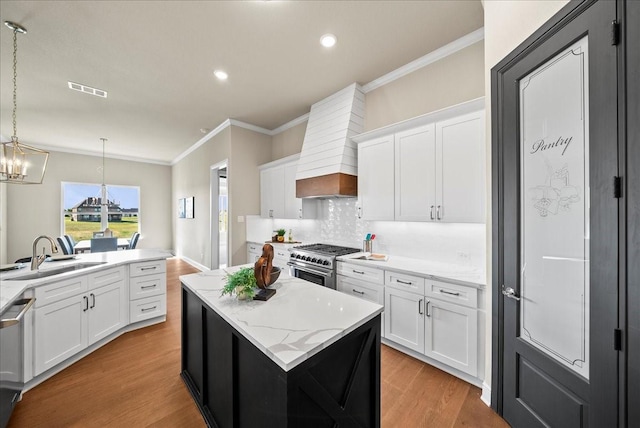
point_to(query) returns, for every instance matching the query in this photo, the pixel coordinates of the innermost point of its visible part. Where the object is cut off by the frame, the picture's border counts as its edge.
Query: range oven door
(11, 357)
(313, 274)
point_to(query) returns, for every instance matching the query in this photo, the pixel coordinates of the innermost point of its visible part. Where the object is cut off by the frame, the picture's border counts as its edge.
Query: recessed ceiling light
(328, 40)
(220, 74)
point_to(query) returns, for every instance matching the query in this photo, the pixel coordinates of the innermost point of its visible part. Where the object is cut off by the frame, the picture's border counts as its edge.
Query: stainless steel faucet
(36, 260)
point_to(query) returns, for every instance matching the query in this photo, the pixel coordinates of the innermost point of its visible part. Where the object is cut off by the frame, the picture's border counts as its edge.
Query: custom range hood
(328, 165)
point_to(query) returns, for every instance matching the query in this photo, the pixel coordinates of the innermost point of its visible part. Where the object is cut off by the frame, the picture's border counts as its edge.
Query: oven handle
(8, 322)
(306, 269)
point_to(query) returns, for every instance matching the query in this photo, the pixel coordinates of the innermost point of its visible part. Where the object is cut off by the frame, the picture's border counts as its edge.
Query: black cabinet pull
(86, 303)
(93, 301)
(404, 282)
(148, 309)
(358, 272)
(356, 291)
(144, 287)
(148, 268)
(428, 314)
(449, 292)
(420, 306)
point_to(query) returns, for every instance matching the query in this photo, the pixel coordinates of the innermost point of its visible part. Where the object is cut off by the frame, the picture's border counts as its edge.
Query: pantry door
(555, 149)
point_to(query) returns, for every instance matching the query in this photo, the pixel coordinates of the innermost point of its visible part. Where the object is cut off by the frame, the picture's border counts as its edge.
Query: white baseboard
(486, 394)
(194, 263)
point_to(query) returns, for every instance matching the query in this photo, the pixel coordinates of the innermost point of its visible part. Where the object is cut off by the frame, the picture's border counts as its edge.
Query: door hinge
(617, 339)
(617, 187)
(615, 33)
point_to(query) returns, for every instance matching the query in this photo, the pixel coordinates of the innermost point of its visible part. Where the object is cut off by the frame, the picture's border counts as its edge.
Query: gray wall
(37, 209)
(244, 150)
(452, 80)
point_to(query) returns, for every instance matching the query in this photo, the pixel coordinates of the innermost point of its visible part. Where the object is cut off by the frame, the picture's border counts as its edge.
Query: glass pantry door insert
(554, 223)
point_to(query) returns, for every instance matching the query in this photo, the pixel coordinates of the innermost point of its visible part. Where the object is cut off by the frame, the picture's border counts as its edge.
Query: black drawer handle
(358, 272)
(356, 291)
(404, 282)
(449, 292)
(149, 268)
(148, 309)
(144, 287)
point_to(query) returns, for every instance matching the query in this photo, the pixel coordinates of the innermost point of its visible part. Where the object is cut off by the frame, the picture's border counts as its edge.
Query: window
(81, 210)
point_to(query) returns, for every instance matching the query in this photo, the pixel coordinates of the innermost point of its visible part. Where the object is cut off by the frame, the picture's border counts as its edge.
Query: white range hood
(328, 165)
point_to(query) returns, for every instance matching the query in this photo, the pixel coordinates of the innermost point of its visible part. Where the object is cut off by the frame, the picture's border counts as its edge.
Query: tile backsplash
(337, 223)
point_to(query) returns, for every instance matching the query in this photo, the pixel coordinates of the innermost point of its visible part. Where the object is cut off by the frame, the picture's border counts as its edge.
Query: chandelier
(20, 163)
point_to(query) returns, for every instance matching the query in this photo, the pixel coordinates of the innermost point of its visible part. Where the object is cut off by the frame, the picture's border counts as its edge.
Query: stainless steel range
(317, 262)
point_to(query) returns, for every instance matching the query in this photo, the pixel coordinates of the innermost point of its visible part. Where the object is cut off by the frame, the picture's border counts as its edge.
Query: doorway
(219, 217)
(559, 226)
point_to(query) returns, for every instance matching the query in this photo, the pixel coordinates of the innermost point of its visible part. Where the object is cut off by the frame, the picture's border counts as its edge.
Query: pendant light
(104, 201)
(19, 163)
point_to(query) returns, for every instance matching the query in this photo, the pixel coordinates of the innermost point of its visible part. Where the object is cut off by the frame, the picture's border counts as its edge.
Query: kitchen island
(309, 356)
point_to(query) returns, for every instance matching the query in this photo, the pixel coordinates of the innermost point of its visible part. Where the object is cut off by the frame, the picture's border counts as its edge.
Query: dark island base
(235, 385)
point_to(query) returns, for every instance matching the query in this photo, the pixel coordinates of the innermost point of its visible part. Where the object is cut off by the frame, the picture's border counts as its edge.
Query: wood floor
(134, 381)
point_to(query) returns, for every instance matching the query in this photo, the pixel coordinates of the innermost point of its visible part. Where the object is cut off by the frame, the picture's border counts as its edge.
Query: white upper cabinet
(415, 177)
(375, 179)
(460, 169)
(278, 191)
(272, 192)
(431, 168)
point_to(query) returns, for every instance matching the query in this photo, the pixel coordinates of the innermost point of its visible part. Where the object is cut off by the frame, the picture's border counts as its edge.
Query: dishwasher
(11, 357)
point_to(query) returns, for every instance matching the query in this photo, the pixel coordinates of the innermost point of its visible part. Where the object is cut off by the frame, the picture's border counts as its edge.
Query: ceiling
(156, 61)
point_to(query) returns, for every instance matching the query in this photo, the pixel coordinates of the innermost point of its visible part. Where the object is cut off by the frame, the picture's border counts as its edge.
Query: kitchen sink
(51, 272)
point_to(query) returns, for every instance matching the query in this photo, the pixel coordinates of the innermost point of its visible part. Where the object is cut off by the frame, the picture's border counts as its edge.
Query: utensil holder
(367, 246)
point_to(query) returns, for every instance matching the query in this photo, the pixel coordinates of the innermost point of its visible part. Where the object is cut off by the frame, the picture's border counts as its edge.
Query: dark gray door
(557, 242)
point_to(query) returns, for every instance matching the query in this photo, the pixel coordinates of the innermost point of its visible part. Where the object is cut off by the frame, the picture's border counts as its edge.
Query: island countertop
(10, 290)
(299, 321)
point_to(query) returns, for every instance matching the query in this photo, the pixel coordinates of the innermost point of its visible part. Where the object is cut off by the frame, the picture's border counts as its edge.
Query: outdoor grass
(80, 230)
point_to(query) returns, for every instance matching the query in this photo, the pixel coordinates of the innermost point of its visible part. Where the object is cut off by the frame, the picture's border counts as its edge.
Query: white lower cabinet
(404, 323)
(148, 290)
(363, 290)
(66, 325)
(436, 319)
(451, 335)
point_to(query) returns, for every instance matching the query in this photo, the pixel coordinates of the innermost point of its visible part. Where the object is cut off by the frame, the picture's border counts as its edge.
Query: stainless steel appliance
(11, 357)
(317, 262)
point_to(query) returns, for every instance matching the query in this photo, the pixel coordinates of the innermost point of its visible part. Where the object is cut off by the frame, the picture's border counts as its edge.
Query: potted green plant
(281, 233)
(241, 283)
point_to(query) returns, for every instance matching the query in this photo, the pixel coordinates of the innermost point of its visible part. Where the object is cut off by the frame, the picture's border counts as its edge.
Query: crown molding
(201, 141)
(431, 57)
(291, 124)
(99, 154)
(250, 127)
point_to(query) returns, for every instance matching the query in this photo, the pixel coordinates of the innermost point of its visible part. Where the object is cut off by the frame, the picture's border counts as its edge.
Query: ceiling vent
(87, 89)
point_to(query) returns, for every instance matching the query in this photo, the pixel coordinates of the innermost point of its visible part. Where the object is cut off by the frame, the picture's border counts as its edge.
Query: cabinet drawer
(364, 290)
(60, 290)
(105, 277)
(149, 307)
(252, 247)
(369, 274)
(281, 256)
(403, 281)
(467, 296)
(148, 285)
(147, 268)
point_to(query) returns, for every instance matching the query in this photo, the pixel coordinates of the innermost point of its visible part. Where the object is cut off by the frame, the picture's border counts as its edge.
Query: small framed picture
(181, 205)
(189, 207)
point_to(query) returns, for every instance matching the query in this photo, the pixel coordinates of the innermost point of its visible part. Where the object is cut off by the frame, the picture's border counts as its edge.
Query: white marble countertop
(451, 272)
(13, 289)
(299, 321)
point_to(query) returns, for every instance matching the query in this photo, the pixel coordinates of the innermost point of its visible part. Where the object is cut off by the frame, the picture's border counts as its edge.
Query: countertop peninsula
(10, 290)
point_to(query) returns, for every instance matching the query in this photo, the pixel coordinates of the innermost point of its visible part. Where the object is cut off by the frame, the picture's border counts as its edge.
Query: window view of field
(82, 210)
(80, 230)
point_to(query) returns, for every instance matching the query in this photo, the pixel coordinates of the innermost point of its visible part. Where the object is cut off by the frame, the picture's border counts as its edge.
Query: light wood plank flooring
(134, 381)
